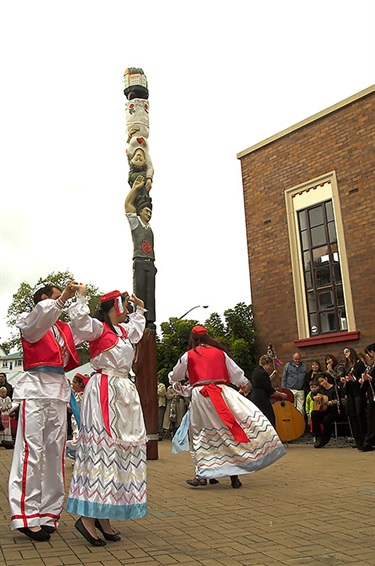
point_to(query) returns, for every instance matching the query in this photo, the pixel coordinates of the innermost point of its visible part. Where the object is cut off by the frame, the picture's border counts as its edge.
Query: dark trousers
(322, 422)
(144, 272)
(370, 434)
(356, 411)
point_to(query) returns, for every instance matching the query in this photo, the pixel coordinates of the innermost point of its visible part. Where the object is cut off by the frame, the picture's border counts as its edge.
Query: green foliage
(236, 333)
(22, 301)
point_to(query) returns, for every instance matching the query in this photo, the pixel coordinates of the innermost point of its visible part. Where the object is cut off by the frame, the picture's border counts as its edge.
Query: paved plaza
(311, 507)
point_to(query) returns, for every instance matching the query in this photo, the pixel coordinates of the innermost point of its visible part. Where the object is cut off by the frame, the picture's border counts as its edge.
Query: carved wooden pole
(138, 209)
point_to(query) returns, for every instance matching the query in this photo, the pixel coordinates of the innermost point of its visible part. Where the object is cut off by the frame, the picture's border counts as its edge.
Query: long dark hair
(352, 360)
(196, 340)
(333, 358)
(102, 313)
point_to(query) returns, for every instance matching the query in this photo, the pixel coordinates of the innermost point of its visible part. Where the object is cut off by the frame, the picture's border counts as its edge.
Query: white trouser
(36, 481)
(299, 400)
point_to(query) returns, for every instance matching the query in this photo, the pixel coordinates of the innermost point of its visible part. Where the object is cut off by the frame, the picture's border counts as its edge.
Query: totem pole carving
(138, 203)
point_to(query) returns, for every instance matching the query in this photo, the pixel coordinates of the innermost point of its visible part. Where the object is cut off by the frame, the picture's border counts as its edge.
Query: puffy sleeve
(236, 374)
(83, 325)
(136, 325)
(34, 325)
(178, 373)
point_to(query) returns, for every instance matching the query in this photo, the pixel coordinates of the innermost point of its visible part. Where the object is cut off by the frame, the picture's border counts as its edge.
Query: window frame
(315, 191)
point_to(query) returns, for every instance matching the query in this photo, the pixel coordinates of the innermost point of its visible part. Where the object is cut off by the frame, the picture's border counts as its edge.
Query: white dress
(109, 476)
(215, 451)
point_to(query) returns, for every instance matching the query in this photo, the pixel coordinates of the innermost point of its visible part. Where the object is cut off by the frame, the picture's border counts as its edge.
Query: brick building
(308, 196)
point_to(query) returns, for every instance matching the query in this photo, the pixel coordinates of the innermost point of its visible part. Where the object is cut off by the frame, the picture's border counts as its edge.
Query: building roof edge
(306, 121)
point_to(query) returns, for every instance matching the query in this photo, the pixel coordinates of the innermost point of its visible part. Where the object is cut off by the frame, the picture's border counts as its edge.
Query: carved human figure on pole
(138, 211)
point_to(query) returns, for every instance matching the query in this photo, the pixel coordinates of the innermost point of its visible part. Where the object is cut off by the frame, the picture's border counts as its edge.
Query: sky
(222, 77)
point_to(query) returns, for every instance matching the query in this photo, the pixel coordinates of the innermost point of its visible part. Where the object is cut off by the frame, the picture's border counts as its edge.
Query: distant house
(308, 195)
(11, 365)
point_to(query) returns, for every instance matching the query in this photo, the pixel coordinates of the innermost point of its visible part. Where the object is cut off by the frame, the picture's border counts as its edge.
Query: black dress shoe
(366, 448)
(85, 533)
(212, 481)
(35, 535)
(48, 529)
(236, 483)
(114, 536)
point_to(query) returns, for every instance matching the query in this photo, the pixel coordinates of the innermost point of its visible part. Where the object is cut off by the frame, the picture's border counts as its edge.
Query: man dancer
(36, 482)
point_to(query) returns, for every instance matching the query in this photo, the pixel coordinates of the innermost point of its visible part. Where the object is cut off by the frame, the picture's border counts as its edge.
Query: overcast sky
(222, 76)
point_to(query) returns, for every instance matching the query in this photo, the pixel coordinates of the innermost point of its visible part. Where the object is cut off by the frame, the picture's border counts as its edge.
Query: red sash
(214, 392)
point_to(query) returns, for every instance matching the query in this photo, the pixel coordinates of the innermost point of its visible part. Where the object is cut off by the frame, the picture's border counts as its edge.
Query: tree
(236, 333)
(22, 301)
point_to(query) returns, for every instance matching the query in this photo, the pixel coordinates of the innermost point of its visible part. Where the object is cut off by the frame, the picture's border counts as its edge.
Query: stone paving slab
(311, 507)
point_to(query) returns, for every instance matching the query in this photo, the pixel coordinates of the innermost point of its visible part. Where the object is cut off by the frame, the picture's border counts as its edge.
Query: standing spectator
(311, 375)
(36, 482)
(355, 395)
(261, 388)
(4, 383)
(174, 411)
(294, 378)
(368, 378)
(78, 386)
(162, 401)
(5, 407)
(228, 433)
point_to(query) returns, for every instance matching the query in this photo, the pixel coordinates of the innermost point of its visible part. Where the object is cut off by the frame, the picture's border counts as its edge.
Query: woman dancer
(109, 476)
(228, 434)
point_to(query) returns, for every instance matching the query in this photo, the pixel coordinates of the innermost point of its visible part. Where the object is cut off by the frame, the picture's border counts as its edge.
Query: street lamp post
(192, 308)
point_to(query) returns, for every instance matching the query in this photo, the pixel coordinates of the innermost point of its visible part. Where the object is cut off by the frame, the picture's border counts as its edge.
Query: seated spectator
(324, 413)
(5, 407)
(4, 383)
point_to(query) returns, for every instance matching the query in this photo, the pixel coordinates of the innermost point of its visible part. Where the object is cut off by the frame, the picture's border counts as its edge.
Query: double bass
(290, 423)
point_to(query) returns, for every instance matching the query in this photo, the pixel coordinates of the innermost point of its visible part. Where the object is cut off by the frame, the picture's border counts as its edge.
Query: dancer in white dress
(229, 435)
(109, 476)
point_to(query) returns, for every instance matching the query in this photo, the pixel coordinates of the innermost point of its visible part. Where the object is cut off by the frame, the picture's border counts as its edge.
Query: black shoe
(366, 448)
(114, 536)
(197, 481)
(48, 529)
(85, 533)
(235, 483)
(318, 442)
(212, 481)
(35, 535)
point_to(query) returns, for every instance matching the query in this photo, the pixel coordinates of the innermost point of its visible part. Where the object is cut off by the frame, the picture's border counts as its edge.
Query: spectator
(5, 430)
(355, 395)
(309, 403)
(311, 375)
(293, 378)
(162, 401)
(78, 387)
(4, 383)
(174, 411)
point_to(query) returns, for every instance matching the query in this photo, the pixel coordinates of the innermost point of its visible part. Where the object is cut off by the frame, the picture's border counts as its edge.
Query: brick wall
(344, 141)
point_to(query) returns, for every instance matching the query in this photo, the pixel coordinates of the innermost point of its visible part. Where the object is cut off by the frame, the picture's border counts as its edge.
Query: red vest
(106, 341)
(47, 351)
(207, 364)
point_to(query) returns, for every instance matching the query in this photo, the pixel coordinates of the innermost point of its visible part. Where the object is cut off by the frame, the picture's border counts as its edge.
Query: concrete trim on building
(307, 121)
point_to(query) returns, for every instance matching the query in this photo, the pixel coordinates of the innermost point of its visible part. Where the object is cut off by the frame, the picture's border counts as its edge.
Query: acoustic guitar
(320, 404)
(290, 423)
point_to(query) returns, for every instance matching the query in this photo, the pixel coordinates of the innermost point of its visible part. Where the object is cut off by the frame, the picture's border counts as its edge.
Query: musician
(261, 388)
(355, 395)
(325, 411)
(368, 381)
